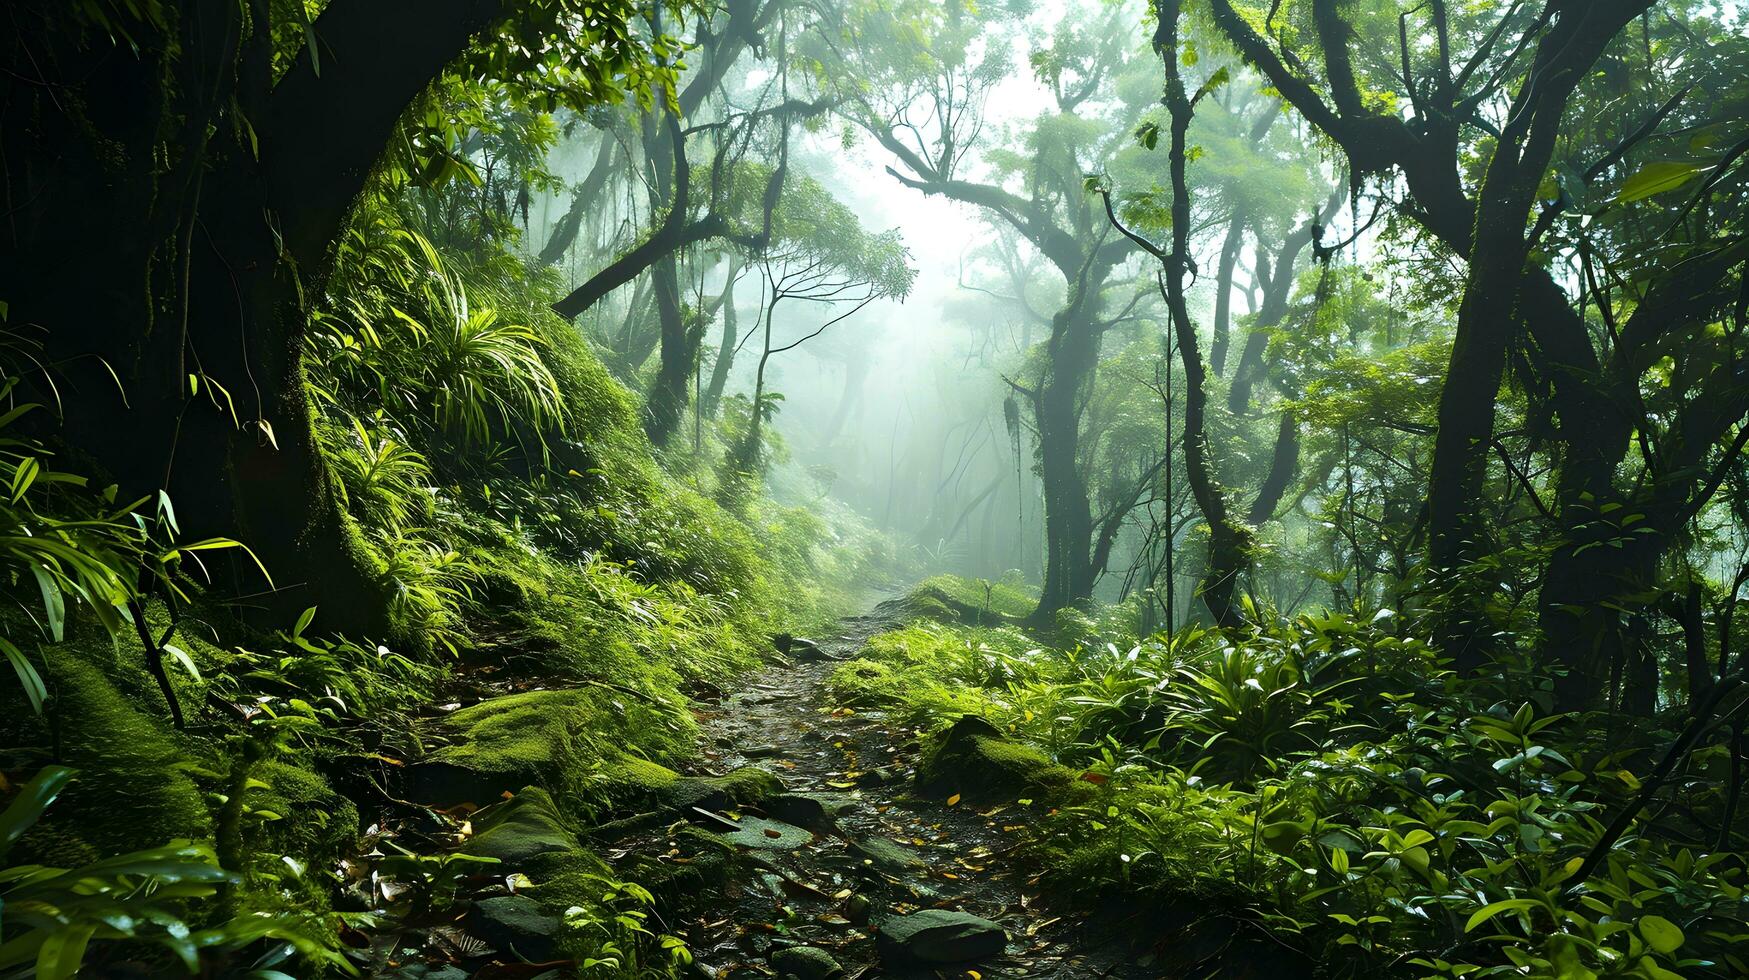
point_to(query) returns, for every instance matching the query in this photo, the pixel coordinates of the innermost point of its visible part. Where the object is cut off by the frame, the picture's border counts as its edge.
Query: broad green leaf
(34, 689)
(1661, 934)
(30, 803)
(1656, 178)
(1487, 912)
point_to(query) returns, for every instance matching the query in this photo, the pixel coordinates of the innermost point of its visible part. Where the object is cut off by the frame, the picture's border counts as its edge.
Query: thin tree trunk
(713, 395)
(1224, 288)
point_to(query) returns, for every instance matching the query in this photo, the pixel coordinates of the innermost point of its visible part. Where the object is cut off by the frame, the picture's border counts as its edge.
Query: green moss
(973, 758)
(635, 780)
(749, 784)
(708, 860)
(571, 742)
(637, 785)
(928, 671)
(316, 822)
(132, 790)
(955, 598)
(522, 829)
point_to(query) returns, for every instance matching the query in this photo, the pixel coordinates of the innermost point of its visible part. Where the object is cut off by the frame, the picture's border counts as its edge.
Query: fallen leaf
(953, 800)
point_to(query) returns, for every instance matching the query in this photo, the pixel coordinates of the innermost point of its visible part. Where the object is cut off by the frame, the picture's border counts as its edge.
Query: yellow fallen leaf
(954, 799)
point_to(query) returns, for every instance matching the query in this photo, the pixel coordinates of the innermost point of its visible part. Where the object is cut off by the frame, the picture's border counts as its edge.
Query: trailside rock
(939, 936)
(773, 835)
(859, 909)
(975, 760)
(646, 785)
(531, 738)
(815, 811)
(888, 856)
(523, 827)
(515, 923)
(798, 648)
(805, 963)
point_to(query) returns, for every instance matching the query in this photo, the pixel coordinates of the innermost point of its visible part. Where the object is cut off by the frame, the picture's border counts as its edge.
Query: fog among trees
(914, 488)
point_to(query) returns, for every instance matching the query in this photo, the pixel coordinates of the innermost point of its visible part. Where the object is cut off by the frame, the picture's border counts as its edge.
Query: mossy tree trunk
(174, 211)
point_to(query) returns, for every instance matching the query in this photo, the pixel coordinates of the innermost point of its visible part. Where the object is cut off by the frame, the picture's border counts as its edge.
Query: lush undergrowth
(1321, 785)
(539, 558)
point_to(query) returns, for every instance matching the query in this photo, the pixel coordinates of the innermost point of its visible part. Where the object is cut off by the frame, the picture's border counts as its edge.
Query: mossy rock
(641, 785)
(520, 829)
(518, 925)
(748, 784)
(708, 862)
(555, 739)
(975, 760)
(316, 822)
(955, 599)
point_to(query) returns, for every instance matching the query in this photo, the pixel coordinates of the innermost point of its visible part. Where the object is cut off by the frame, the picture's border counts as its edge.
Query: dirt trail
(874, 850)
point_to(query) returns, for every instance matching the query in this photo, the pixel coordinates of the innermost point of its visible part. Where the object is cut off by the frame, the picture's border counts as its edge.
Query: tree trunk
(224, 245)
(671, 390)
(1229, 542)
(1224, 289)
(713, 395)
(1485, 317)
(855, 376)
(1073, 356)
(565, 232)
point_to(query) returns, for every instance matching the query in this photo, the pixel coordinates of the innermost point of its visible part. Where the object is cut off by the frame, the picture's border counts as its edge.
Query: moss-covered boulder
(315, 822)
(556, 739)
(639, 785)
(518, 925)
(938, 936)
(976, 761)
(521, 828)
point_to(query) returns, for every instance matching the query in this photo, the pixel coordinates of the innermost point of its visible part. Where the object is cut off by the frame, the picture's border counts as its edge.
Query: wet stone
(773, 835)
(517, 924)
(805, 963)
(815, 811)
(888, 856)
(939, 936)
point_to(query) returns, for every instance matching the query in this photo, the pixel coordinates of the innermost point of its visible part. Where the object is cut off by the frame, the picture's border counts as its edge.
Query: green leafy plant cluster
(1328, 781)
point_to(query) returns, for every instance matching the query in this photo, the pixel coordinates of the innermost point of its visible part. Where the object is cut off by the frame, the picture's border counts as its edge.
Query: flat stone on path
(771, 835)
(889, 856)
(939, 936)
(805, 963)
(516, 924)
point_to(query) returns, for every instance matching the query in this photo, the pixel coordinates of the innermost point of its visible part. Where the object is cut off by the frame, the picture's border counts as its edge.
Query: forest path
(849, 845)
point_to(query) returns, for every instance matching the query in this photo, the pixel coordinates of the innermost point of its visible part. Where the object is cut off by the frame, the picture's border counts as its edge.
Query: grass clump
(929, 670)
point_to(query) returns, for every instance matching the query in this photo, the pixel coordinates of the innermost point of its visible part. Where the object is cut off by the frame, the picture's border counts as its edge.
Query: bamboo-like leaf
(34, 690)
(31, 801)
(1656, 178)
